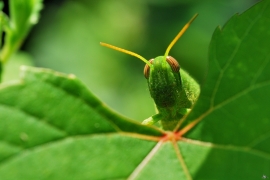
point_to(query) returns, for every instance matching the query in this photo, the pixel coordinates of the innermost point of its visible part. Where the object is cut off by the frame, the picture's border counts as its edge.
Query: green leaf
(102, 156)
(46, 108)
(52, 127)
(232, 111)
(23, 15)
(233, 98)
(3, 24)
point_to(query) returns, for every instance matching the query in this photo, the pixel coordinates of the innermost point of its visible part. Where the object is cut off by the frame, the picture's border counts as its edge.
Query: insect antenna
(127, 52)
(179, 35)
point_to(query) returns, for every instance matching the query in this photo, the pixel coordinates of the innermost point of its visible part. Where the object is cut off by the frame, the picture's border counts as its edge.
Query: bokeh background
(67, 37)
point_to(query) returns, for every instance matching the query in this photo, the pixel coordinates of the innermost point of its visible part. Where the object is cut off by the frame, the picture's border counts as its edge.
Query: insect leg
(152, 120)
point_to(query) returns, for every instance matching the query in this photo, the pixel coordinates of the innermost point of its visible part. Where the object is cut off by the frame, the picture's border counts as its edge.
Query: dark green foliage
(53, 127)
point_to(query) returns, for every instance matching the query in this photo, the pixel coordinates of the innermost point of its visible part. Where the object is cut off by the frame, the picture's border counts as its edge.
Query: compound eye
(173, 63)
(146, 69)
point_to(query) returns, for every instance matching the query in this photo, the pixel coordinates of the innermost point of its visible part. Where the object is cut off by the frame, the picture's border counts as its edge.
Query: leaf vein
(35, 117)
(144, 162)
(260, 70)
(245, 149)
(222, 71)
(181, 159)
(263, 137)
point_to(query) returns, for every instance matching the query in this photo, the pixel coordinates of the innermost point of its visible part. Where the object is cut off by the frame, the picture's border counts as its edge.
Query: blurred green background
(67, 40)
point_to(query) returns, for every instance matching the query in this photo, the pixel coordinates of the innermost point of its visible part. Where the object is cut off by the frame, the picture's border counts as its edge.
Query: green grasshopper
(172, 89)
